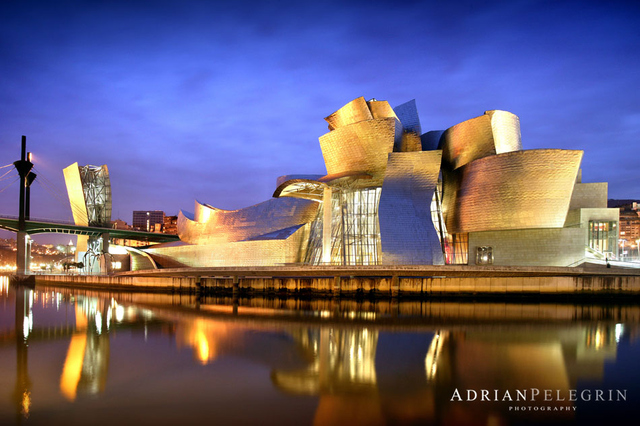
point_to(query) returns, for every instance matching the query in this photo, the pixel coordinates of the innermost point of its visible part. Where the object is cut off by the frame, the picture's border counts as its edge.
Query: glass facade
(97, 194)
(603, 237)
(355, 231)
(454, 246)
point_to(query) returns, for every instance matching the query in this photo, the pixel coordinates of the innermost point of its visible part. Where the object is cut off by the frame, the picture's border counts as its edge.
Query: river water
(78, 357)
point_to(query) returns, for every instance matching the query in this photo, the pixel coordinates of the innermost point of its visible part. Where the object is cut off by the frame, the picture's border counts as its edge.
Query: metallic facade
(362, 146)
(394, 195)
(89, 190)
(213, 226)
(515, 190)
(407, 233)
(495, 132)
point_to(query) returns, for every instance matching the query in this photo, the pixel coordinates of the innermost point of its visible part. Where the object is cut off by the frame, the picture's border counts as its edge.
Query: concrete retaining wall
(363, 286)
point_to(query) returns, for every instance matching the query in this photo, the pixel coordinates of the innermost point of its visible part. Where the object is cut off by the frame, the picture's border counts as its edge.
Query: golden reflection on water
(326, 357)
(72, 369)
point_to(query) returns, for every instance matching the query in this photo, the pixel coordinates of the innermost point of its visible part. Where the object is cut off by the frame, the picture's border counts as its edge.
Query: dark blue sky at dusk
(213, 100)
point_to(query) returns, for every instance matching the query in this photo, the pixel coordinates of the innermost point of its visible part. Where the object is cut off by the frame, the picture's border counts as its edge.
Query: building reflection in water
(356, 373)
(343, 373)
(23, 327)
(86, 366)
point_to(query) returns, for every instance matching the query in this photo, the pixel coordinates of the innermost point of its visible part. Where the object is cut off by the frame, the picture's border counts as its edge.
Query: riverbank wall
(367, 281)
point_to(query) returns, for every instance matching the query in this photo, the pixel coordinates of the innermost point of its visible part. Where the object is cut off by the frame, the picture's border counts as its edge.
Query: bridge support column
(23, 166)
(106, 268)
(23, 250)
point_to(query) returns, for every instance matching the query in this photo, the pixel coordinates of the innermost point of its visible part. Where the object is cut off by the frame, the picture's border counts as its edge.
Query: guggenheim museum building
(393, 195)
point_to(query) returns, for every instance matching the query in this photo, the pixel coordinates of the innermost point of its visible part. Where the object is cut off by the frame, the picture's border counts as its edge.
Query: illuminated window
(454, 246)
(603, 237)
(355, 231)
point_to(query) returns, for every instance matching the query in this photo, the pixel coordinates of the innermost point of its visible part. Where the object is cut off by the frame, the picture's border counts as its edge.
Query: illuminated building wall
(89, 190)
(393, 195)
(407, 232)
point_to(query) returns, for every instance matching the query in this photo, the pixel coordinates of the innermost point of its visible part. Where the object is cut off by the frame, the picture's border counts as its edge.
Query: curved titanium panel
(361, 146)
(76, 194)
(381, 109)
(495, 132)
(410, 142)
(515, 190)
(431, 140)
(408, 115)
(282, 179)
(353, 112)
(506, 131)
(213, 225)
(300, 188)
(407, 233)
(262, 252)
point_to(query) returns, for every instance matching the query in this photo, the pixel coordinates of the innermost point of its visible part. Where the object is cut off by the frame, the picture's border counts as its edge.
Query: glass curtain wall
(355, 231)
(603, 237)
(97, 194)
(455, 247)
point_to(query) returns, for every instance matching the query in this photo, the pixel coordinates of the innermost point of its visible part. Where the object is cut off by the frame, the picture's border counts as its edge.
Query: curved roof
(212, 225)
(514, 190)
(312, 188)
(285, 178)
(353, 112)
(362, 146)
(300, 188)
(495, 132)
(407, 113)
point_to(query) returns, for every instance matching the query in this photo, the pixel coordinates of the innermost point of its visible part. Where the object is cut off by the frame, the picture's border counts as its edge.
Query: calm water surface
(76, 357)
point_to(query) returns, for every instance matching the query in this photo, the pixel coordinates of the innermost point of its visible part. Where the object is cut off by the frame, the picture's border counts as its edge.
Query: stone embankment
(374, 281)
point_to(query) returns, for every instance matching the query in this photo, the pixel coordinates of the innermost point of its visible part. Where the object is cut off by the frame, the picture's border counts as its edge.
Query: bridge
(43, 226)
(95, 227)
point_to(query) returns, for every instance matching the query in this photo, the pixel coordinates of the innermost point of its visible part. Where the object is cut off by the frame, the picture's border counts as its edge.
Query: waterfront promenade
(373, 281)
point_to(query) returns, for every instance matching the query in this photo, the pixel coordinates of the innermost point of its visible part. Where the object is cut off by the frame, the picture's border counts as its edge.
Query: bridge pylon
(23, 166)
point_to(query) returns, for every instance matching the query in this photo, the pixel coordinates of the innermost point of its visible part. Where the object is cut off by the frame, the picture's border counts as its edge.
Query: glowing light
(202, 346)
(98, 318)
(26, 404)
(25, 327)
(108, 317)
(598, 340)
(431, 360)
(619, 332)
(119, 313)
(72, 369)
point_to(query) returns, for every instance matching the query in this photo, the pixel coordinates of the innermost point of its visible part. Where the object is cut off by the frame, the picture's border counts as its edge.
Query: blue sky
(214, 100)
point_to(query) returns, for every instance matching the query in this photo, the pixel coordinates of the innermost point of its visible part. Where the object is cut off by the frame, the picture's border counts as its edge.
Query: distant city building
(393, 195)
(120, 224)
(146, 220)
(629, 230)
(171, 225)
